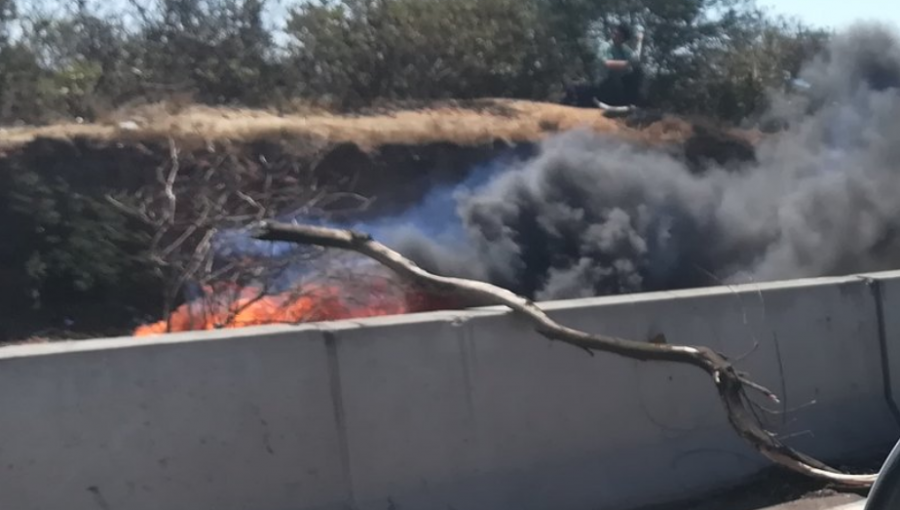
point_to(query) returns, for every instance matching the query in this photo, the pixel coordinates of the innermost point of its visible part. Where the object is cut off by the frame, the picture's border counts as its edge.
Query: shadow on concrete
(776, 487)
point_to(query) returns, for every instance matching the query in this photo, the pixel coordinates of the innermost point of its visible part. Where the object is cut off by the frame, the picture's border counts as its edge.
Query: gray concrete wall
(226, 423)
(463, 410)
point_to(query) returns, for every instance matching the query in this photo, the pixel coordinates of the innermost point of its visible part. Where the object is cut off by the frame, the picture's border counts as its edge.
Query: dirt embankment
(390, 156)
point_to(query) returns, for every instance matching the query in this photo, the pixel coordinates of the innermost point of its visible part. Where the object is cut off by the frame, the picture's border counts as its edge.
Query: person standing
(620, 71)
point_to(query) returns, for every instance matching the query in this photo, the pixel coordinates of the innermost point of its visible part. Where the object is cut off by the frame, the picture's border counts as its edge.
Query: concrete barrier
(887, 288)
(230, 422)
(462, 410)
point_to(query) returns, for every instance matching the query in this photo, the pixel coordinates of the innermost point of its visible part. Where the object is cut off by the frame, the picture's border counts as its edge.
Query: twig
(169, 182)
(729, 383)
(719, 281)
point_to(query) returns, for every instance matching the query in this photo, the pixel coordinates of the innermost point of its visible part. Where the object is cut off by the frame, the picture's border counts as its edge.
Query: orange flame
(238, 308)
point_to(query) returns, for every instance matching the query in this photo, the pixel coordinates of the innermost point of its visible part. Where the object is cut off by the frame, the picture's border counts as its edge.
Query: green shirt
(622, 52)
(618, 52)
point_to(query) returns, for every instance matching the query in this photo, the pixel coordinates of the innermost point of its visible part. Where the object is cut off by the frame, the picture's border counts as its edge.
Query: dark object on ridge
(622, 81)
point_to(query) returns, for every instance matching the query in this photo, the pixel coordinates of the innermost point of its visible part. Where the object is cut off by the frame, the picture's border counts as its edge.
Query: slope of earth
(461, 123)
(372, 150)
(53, 177)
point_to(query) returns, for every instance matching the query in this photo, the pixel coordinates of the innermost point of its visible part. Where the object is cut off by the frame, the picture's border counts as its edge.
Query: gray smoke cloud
(592, 215)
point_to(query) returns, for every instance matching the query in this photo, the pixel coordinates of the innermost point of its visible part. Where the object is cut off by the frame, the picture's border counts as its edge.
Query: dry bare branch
(194, 210)
(169, 182)
(731, 385)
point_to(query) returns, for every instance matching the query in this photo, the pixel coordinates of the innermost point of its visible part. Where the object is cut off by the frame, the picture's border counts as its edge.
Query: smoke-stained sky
(592, 215)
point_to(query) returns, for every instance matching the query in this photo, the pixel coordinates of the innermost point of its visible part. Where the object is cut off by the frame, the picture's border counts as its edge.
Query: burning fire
(242, 307)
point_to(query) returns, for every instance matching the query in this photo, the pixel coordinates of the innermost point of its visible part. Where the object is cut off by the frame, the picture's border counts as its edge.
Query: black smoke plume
(592, 215)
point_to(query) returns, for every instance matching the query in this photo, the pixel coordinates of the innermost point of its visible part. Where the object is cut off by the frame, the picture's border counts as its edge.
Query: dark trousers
(622, 90)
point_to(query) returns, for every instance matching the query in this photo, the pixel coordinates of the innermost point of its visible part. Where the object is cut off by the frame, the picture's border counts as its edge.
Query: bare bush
(194, 215)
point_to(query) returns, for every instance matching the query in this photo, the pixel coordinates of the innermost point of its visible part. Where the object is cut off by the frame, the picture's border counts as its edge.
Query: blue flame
(435, 216)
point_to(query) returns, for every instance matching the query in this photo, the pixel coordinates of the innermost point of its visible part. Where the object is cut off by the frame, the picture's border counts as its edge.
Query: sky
(828, 14)
(836, 14)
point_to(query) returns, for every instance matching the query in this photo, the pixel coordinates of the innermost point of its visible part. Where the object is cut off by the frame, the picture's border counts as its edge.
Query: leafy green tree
(219, 49)
(75, 257)
(7, 14)
(715, 57)
(357, 51)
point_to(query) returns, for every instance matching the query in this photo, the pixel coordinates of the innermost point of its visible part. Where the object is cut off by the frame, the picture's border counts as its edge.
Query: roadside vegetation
(105, 110)
(66, 59)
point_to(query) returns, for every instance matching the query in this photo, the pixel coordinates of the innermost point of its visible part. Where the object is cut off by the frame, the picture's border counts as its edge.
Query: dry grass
(514, 121)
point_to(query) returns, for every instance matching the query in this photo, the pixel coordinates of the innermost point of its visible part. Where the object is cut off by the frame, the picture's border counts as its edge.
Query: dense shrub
(69, 259)
(359, 51)
(715, 57)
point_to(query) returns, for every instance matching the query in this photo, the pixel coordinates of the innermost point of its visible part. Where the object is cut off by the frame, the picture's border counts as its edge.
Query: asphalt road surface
(808, 502)
(837, 502)
(752, 502)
